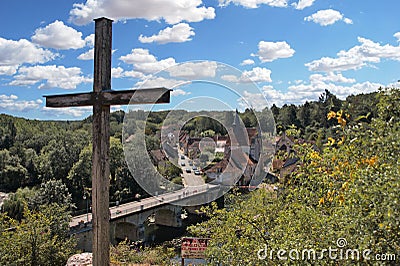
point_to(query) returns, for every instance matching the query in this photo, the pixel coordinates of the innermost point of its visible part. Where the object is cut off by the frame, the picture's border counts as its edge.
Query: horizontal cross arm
(110, 97)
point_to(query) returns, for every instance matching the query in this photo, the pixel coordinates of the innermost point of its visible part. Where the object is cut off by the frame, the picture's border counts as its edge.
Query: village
(206, 159)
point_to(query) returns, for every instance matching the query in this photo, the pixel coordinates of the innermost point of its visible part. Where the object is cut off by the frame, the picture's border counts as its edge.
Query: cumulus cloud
(256, 101)
(178, 92)
(327, 17)
(300, 93)
(194, 70)
(119, 72)
(172, 11)
(153, 82)
(8, 70)
(356, 57)
(330, 77)
(397, 36)
(11, 103)
(15, 53)
(88, 55)
(51, 77)
(254, 3)
(247, 62)
(145, 62)
(303, 4)
(257, 74)
(68, 111)
(270, 51)
(58, 36)
(181, 32)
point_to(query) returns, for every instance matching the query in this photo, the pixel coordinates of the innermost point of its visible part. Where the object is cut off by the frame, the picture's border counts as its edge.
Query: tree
(80, 175)
(12, 173)
(53, 191)
(41, 238)
(14, 205)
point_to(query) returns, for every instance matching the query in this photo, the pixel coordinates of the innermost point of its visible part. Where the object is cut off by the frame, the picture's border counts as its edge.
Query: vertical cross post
(101, 98)
(101, 143)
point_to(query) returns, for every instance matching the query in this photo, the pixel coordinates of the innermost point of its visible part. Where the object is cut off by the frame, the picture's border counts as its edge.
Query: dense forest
(49, 162)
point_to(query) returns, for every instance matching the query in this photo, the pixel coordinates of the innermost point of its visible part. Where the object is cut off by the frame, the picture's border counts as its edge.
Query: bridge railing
(137, 206)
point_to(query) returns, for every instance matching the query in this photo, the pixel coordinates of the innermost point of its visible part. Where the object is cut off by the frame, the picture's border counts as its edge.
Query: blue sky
(291, 49)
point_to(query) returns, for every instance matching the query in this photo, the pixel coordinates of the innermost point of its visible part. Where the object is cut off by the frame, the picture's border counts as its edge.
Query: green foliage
(124, 254)
(53, 191)
(14, 206)
(39, 239)
(350, 189)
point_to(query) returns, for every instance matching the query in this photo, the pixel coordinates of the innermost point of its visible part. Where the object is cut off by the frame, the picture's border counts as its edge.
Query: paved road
(189, 179)
(151, 202)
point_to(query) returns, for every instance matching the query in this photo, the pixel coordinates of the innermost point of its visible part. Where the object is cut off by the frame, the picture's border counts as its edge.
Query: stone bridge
(128, 220)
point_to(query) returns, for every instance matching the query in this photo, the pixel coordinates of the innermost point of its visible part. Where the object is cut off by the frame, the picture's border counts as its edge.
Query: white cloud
(254, 3)
(178, 92)
(303, 4)
(257, 74)
(89, 55)
(356, 57)
(194, 70)
(15, 53)
(58, 36)
(247, 62)
(270, 51)
(89, 40)
(181, 32)
(119, 72)
(51, 77)
(300, 93)
(172, 11)
(8, 70)
(133, 74)
(68, 111)
(11, 103)
(330, 77)
(347, 21)
(145, 62)
(327, 17)
(156, 82)
(397, 36)
(254, 100)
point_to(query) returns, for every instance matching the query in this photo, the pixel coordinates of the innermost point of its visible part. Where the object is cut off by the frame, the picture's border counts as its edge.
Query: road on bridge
(136, 206)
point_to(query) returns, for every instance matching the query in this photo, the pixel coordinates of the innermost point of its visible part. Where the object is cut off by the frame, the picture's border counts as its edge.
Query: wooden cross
(101, 98)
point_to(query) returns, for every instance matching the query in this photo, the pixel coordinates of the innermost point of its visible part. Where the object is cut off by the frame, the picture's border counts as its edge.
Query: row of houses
(240, 154)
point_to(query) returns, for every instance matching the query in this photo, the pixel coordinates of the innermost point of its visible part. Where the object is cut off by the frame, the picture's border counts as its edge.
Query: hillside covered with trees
(348, 187)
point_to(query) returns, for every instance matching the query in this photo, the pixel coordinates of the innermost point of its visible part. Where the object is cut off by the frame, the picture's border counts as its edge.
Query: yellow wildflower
(331, 141)
(342, 121)
(331, 115)
(341, 199)
(321, 201)
(315, 155)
